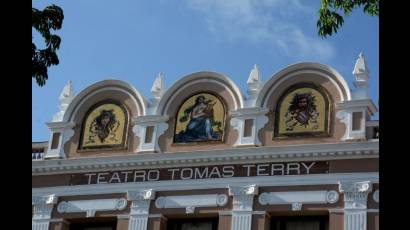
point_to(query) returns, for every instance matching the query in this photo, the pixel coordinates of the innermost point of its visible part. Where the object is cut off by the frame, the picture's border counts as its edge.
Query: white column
(242, 206)
(355, 204)
(139, 208)
(43, 206)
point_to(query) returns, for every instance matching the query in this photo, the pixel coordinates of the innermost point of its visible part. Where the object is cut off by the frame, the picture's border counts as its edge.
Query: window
(247, 132)
(357, 121)
(55, 140)
(300, 223)
(93, 224)
(193, 224)
(148, 134)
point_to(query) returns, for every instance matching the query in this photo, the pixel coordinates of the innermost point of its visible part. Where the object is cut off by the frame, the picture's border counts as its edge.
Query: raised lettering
(150, 172)
(115, 176)
(89, 176)
(260, 170)
(293, 166)
(308, 168)
(173, 172)
(190, 173)
(199, 175)
(228, 171)
(126, 176)
(139, 174)
(278, 167)
(99, 178)
(248, 172)
(215, 171)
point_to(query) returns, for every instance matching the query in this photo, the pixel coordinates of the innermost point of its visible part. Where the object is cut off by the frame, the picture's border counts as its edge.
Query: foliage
(330, 21)
(51, 18)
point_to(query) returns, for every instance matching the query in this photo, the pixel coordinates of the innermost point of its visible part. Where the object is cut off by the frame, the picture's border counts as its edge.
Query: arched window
(200, 118)
(303, 110)
(104, 127)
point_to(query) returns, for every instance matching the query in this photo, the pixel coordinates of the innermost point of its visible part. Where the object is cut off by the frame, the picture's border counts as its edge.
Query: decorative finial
(360, 70)
(254, 76)
(158, 88)
(66, 96)
(254, 82)
(68, 91)
(361, 77)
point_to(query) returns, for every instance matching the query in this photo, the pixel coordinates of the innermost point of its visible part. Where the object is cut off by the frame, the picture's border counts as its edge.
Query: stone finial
(68, 91)
(254, 82)
(158, 88)
(66, 96)
(360, 71)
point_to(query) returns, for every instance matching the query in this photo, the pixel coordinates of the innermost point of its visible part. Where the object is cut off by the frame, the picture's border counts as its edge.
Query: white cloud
(277, 22)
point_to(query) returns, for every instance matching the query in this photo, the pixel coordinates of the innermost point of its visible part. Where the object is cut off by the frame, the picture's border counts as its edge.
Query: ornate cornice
(233, 155)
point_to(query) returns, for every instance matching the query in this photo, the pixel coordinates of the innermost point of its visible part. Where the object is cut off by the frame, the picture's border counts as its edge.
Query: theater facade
(298, 151)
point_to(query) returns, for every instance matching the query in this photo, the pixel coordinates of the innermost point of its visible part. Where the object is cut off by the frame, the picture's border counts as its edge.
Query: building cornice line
(312, 152)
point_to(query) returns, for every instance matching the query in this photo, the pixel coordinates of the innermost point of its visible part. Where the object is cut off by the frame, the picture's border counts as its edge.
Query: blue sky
(135, 40)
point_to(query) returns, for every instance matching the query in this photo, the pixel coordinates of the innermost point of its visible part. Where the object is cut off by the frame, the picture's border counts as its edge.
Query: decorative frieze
(191, 202)
(297, 199)
(91, 206)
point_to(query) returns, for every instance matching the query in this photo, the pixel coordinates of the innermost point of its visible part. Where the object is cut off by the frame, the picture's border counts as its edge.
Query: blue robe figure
(200, 125)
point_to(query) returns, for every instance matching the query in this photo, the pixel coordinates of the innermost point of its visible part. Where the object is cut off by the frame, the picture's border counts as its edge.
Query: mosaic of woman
(103, 126)
(201, 122)
(301, 111)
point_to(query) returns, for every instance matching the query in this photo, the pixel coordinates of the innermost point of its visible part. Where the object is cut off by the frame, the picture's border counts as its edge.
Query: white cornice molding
(346, 105)
(60, 125)
(252, 111)
(261, 181)
(315, 152)
(298, 198)
(147, 194)
(150, 119)
(191, 202)
(91, 206)
(243, 190)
